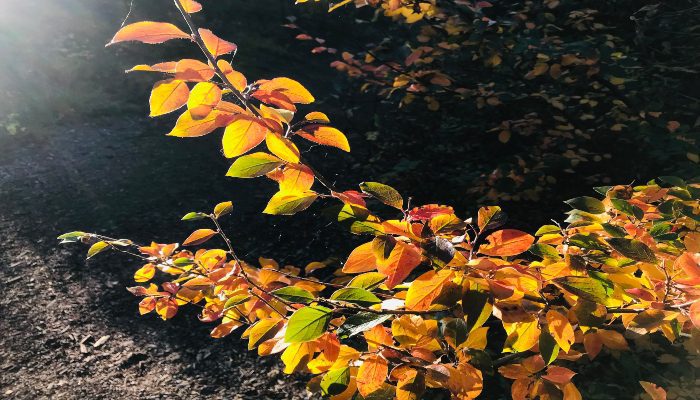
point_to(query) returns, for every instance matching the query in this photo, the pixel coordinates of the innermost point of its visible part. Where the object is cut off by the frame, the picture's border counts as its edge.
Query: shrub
(431, 301)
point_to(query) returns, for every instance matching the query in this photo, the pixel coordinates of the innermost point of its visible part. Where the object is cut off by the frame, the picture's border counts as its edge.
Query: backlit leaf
(148, 32)
(633, 249)
(507, 242)
(282, 147)
(587, 288)
(97, 248)
(327, 136)
(223, 208)
(356, 295)
(294, 295)
(426, 288)
(402, 260)
(372, 374)
(167, 96)
(384, 193)
(290, 202)
(561, 330)
(253, 165)
(307, 324)
(587, 204)
(216, 46)
(335, 381)
(242, 135)
(198, 237)
(203, 98)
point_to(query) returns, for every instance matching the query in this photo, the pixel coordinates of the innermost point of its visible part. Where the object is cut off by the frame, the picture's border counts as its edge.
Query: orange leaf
(204, 97)
(690, 263)
(507, 242)
(236, 78)
(426, 288)
(559, 375)
(193, 71)
(198, 237)
(656, 392)
(224, 329)
(242, 135)
(166, 307)
(191, 6)
(296, 177)
(694, 312)
(362, 259)
(167, 96)
(148, 32)
(613, 340)
(147, 305)
(372, 374)
(561, 330)
(145, 273)
(402, 260)
(326, 135)
(592, 344)
(215, 44)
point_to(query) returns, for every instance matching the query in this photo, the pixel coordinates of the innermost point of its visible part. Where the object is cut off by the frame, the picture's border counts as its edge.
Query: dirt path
(69, 329)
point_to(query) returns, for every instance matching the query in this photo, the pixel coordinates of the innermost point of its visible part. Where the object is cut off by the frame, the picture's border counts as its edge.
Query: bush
(431, 303)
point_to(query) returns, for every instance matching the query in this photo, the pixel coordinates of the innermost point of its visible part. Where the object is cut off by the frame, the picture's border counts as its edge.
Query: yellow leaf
(522, 336)
(561, 330)
(326, 135)
(290, 88)
(223, 209)
(145, 273)
(290, 202)
(297, 355)
(282, 147)
(188, 126)
(167, 96)
(242, 135)
(203, 98)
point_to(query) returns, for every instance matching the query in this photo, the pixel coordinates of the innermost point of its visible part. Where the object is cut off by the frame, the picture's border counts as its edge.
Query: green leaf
(253, 165)
(71, 237)
(668, 181)
(585, 287)
(627, 208)
(307, 324)
(602, 190)
(294, 295)
(361, 322)
(633, 249)
(549, 349)
(587, 204)
(356, 296)
(545, 229)
(97, 248)
(182, 262)
(368, 281)
(587, 241)
(290, 202)
(335, 381)
(614, 230)
(236, 300)
(192, 216)
(386, 194)
(545, 251)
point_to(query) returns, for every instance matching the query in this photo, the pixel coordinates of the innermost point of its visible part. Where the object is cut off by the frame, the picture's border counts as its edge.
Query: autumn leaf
(190, 6)
(216, 46)
(426, 288)
(402, 260)
(282, 147)
(243, 134)
(253, 165)
(327, 136)
(198, 237)
(290, 88)
(290, 202)
(384, 193)
(167, 96)
(656, 392)
(148, 32)
(507, 242)
(372, 374)
(237, 79)
(561, 330)
(203, 98)
(188, 126)
(361, 259)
